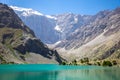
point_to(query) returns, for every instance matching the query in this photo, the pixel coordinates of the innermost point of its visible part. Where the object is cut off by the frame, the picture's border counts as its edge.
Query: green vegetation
(114, 62)
(84, 60)
(11, 63)
(63, 63)
(98, 63)
(106, 63)
(74, 62)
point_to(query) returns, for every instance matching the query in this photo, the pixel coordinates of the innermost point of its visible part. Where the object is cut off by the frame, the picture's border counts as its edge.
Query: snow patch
(51, 17)
(29, 12)
(26, 11)
(76, 20)
(58, 42)
(57, 28)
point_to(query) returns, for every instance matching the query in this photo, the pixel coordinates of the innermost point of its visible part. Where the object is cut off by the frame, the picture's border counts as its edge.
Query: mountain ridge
(83, 36)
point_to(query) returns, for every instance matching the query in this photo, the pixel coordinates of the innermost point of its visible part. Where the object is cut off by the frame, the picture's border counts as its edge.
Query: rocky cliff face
(18, 43)
(96, 39)
(51, 29)
(76, 36)
(42, 25)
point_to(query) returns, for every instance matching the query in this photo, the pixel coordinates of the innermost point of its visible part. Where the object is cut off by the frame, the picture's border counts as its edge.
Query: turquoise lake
(57, 72)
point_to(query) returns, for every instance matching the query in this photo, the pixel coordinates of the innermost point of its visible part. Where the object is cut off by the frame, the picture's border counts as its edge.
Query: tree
(107, 63)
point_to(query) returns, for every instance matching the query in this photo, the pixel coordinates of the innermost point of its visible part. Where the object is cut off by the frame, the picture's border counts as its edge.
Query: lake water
(57, 72)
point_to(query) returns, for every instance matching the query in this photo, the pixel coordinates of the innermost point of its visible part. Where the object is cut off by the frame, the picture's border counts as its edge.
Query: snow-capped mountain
(21, 41)
(42, 25)
(68, 23)
(26, 11)
(49, 29)
(93, 36)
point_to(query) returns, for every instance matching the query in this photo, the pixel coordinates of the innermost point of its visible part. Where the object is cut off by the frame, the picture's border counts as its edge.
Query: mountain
(50, 29)
(68, 23)
(42, 25)
(77, 36)
(98, 39)
(18, 43)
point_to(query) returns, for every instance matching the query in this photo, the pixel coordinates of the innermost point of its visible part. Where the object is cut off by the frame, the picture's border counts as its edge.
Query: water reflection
(90, 74)
(86, 74)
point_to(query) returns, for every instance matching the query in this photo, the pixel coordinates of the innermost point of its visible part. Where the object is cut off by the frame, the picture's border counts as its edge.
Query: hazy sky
(64, 6)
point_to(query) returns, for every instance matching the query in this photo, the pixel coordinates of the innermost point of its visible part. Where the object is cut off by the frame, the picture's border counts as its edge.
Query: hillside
(98, 39)
(77, 36)
(18, 43)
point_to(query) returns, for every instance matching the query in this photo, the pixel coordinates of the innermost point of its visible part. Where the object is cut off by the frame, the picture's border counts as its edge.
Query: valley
(37, 38)
(77, 36)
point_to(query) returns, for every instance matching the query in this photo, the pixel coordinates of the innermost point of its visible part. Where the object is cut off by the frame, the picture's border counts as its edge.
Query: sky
(51, 7)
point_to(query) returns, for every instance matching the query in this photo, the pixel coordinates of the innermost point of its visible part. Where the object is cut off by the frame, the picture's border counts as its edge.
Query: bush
(81, 61)
(107, 63)
(114, 62)
(84, 60)
(98, 63)
(11, 63)
(63, 63)
(89, 64)
(74, 62)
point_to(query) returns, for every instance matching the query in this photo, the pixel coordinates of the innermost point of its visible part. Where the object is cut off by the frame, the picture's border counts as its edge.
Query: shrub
(98, 63)
(11, 63)
(86, 60)
(81, 61)
(114, 62)
(74, 62)
(63, 63)
(107, 63)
